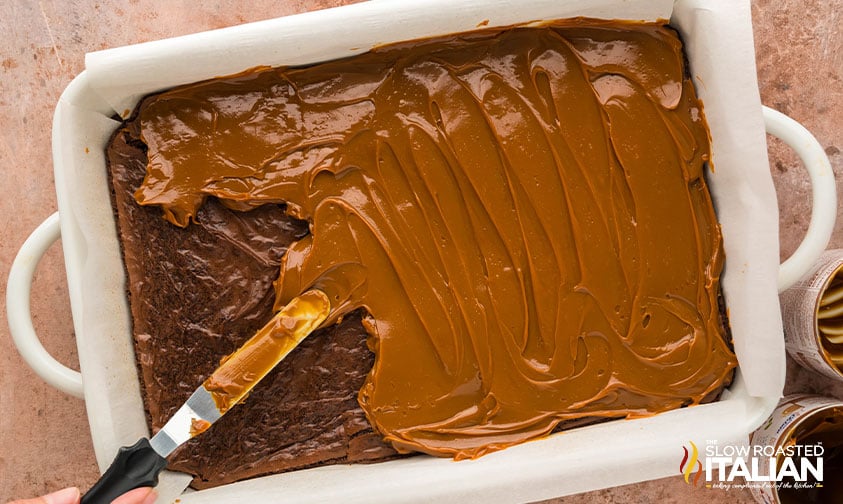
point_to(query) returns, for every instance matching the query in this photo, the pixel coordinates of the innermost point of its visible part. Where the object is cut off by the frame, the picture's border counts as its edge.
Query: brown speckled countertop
(44, 438)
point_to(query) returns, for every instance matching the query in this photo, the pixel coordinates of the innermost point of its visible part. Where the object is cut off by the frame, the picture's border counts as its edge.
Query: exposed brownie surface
(195, 295)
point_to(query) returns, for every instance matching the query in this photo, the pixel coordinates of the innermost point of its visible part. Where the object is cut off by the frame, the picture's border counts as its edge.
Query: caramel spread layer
(198, 426)
(522, 213)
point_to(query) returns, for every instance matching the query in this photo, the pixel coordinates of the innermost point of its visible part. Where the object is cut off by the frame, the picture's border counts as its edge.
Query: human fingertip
(69, 495)
(143, 495)
(150, 498)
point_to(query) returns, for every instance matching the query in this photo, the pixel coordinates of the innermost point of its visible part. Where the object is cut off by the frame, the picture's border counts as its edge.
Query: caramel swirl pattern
(522, 213)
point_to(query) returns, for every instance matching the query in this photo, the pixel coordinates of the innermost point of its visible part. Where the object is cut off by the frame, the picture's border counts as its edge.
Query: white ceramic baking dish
(589, 458)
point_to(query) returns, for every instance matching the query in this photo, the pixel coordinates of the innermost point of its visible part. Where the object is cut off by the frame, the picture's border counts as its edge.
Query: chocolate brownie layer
(195, 295)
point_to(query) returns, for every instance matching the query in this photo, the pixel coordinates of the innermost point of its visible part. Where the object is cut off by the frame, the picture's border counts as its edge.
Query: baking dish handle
(824, 190)
(18, 311)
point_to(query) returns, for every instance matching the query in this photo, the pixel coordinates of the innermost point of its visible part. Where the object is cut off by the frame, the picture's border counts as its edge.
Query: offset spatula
(139, 465)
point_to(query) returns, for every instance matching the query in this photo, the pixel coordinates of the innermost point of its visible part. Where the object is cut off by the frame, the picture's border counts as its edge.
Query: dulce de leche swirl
(522, 213)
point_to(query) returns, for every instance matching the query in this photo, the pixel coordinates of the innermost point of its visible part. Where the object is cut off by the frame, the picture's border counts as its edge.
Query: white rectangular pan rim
(589, 458)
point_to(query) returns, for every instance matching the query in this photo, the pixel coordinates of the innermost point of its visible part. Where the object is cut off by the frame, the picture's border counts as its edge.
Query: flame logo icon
(690, 462)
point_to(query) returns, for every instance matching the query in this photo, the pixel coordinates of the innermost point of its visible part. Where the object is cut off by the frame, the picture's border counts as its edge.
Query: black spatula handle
(134, 467)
